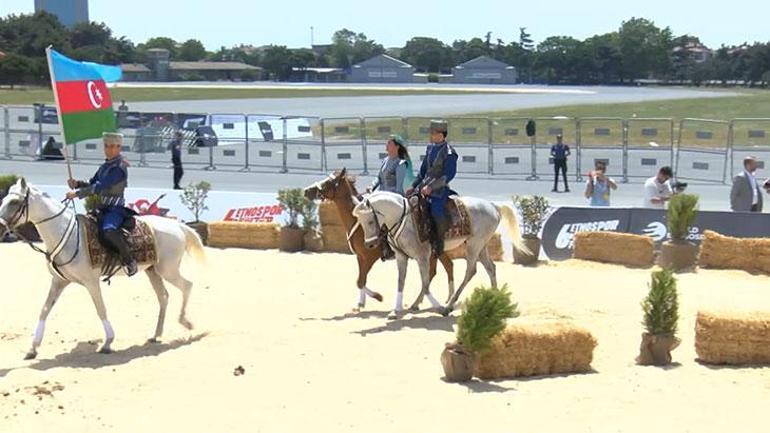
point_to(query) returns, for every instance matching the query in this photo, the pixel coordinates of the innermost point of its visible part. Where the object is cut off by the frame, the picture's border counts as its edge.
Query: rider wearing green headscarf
(395, 174)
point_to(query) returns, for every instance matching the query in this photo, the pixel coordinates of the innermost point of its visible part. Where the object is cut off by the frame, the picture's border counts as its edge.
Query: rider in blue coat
(437, 170)
(109, 183)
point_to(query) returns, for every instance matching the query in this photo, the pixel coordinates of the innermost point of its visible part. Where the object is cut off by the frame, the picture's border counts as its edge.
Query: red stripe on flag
(79, 96)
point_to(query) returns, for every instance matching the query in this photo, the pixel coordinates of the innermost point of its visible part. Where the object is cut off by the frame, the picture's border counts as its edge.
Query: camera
(679, 186)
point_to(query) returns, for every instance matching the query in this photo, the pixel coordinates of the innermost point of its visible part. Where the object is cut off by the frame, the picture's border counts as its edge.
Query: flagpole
(58, 111)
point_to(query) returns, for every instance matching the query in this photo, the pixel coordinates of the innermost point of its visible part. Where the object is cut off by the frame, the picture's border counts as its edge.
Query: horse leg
(162, 294)
(489, 265)
(471, 257)
(57, 286)
(403, 261)
(449, 268)
(425, 265)
(96, 295)
(185, 286)
(365, 263)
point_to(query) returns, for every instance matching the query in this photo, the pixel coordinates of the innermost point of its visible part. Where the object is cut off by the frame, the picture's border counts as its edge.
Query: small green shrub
(309, 215)
(661, 306)
(534, 210)
(483, 317)
(7, 181)
(293, 202)
(682, 210)
(194, 198)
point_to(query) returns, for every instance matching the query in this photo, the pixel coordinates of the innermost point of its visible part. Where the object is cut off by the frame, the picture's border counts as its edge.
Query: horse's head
(14, 208)
(369, 221)
(329, 188)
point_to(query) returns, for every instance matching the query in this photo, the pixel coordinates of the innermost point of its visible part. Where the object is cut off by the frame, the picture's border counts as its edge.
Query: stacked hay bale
(333, 233)
(613, 247)
(733, 338)
(494, 247)
(533, 349)
(749, 254)
(231, 234)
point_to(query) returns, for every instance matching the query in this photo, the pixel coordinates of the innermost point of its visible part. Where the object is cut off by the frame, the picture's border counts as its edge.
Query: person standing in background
(657, 189)
(176, 158)
(560, 152)
(599, 185)
(745, 195)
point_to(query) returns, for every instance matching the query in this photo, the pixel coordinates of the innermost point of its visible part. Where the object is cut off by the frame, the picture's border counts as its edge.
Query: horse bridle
(50, 256)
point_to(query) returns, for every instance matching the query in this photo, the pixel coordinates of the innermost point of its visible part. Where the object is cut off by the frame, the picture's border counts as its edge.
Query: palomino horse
(68, 260)
(392, 211)
(340, 189)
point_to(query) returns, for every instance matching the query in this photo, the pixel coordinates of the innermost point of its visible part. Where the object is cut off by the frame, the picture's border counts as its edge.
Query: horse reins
(73, 225)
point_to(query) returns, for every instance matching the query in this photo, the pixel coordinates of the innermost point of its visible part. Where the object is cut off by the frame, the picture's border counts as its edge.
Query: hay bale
(613, 247)
(494, 247)
(534, 349)
(733, 338)
(335, 239)
(724, 252)
(231, 234)
(328, 215)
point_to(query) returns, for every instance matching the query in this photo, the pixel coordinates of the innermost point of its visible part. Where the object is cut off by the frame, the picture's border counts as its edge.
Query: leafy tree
(645, 49)
(161, 42)
(277, 62)
(681, 213)
(661, 306)
(191, 50)
(428, 54)
(16, 69)
(194, 198)
(349, 48)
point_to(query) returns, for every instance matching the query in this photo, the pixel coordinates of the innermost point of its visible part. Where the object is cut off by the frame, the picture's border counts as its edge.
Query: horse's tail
(193, 244)
(512, 224)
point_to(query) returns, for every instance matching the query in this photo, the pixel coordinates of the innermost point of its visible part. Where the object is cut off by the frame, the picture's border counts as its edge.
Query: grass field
(44, 95)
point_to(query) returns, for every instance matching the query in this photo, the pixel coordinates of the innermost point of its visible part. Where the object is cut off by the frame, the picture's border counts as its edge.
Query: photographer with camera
(598, 185)
(658, 190)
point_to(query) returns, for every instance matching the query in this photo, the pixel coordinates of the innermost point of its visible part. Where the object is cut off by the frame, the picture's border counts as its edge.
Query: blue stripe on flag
(66, 69)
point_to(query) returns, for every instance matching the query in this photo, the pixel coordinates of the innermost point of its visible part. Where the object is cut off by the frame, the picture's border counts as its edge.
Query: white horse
(68, 260)
(394, 213)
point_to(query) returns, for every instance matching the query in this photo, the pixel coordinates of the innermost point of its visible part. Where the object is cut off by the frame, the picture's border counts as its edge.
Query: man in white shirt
(745, 195)
(657, 189)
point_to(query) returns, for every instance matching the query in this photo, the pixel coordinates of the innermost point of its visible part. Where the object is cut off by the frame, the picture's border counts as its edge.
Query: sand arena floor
(311, 367)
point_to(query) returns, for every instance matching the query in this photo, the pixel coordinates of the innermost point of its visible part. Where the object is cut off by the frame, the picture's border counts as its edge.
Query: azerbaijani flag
(82, 98)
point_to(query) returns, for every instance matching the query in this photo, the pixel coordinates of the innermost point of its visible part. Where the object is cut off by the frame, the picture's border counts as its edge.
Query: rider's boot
(119, 244)
(441, 225)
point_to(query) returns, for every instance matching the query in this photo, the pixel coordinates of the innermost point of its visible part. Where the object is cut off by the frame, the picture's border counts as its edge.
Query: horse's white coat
(172, 240)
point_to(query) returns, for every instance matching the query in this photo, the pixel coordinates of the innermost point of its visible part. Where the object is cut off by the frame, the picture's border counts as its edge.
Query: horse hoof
(153, 340)
(356, 310)
(445, 311)
(30, 355)
(186, 323)
(105, 350)
(393, 315)
(414, 308)
(377, 297)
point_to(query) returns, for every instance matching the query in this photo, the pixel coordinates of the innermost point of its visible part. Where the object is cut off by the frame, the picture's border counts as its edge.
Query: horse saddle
(459, 219)
(138, 235)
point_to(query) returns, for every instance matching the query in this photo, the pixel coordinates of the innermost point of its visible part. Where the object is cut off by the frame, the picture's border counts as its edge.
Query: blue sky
(258, 22)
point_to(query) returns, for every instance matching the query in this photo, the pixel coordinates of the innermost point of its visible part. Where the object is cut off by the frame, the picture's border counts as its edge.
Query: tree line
(638, 50)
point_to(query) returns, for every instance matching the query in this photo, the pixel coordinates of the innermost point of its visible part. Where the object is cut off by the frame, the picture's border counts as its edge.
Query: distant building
(159, 68)
(484, 70)
(696, 51)
(318, 75)
(382, 69)
(69, 12)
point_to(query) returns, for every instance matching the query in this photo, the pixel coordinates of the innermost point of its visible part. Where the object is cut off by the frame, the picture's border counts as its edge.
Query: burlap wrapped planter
(534, 349)
(733, 338)
(494, 247)
(613, 247)
(229, 234)
(724, 252)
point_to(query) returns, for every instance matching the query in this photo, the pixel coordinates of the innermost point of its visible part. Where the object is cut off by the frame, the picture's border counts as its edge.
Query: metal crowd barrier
(699, 149)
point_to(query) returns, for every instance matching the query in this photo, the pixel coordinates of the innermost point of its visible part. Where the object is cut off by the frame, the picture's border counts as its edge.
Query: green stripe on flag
(87, 124)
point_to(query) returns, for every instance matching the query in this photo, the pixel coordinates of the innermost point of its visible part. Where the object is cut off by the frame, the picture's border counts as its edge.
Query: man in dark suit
(746, 195)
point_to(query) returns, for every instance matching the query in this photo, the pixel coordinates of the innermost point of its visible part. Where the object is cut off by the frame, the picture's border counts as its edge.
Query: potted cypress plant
(194, 198)
(661, 314)
(678, 253)
(534, 210)
(291, 237)
(484, 315)
(312, 239)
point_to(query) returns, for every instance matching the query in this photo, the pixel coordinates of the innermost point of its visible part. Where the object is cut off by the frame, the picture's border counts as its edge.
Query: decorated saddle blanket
(141, 241)
(459, 219)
